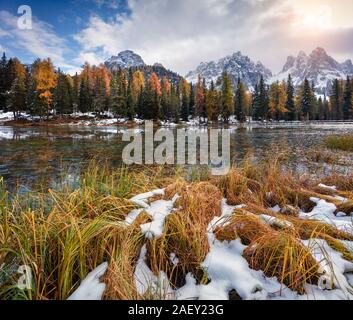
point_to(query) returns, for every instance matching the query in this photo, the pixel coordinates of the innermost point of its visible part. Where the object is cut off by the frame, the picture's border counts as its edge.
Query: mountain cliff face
(130, 60)
(318, 67)
(236, 65)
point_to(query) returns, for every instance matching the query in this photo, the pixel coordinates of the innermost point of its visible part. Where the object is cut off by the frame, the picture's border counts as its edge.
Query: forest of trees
(42, 90)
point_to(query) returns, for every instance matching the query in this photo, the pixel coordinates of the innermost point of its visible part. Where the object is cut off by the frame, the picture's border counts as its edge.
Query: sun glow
(314, 20)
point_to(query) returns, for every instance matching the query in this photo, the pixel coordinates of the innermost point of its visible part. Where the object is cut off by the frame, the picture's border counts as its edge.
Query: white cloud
(180, 34)
(90, 57)
(39, 42)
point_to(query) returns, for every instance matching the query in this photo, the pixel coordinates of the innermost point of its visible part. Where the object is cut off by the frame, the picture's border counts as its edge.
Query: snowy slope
(318, 67)
(236, 65)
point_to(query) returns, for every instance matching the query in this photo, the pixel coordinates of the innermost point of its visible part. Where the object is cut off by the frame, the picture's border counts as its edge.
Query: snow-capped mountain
(124, 60)
(236, 65)
(318, 67)
(129, 59)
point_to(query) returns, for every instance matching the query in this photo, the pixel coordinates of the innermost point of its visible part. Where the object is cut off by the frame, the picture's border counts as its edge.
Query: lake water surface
(35, 154)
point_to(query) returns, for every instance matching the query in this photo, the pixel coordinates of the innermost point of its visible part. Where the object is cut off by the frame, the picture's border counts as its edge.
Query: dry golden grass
(62, 235)
(280, 254)
(186, 231)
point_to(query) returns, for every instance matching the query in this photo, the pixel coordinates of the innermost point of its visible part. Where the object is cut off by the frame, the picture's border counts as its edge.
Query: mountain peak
(124, 60)
(318, 67)
(238, 66)
(302, 54)
(319, 52)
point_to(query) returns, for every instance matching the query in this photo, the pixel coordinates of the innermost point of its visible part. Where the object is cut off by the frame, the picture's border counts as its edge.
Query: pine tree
(3, 81)
(192, 100)
(63, 103)
(313, 112)
(150, 104)
(240, 102)
(227, 97)
(85, 97)
(184, 89)
(336, 100)
(260, 104)
(212, 103)
(131, 101)
(16, 95)
(75, 92)
(292, 114)
(200, 107)
(306, 100)
(321, 109)
(347, 100)
(175, 103)
(165, 112)
(138, 84)
(32, 98)
(327, 111)
(118, 99)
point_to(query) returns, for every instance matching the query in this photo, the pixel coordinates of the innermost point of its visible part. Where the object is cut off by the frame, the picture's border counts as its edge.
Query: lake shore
(90, 120)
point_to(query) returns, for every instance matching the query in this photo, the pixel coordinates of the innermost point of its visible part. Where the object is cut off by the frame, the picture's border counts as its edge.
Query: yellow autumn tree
(277, 100)
(138, 82)
(155, 84)
(45, 80)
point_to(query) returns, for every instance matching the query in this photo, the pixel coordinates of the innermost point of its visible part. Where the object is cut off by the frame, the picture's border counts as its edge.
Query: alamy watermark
(24, 22)
(190, 147)
(26, 279)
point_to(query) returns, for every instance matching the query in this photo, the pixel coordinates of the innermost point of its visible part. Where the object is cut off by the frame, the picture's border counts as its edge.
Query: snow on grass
(147, 282)
(333, 284)
(132, 216)
(325, 211)
(142, 199)
(275, 209)
(158, 211)
(275, 222)
(334, 188)
(174, 259)
(227, 211)
(91, 288)
(228, 270)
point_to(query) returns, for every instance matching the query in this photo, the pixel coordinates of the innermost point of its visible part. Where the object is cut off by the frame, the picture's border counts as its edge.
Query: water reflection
(39, 154)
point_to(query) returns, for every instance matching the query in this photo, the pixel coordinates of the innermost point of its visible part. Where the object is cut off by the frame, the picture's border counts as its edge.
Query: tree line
(41, 90)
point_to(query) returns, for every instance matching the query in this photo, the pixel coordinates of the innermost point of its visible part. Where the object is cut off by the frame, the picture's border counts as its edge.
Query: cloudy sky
(177, 33)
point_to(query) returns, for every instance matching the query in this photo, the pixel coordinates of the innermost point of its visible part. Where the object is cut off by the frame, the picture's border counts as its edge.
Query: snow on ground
(333, 188)
(147, 282)
(227, 211)
(325, 212)
(6, 116)
(158, 211)
(225, 265)
(228, 270)
(275, 222)
(91, 288)
(333, 284)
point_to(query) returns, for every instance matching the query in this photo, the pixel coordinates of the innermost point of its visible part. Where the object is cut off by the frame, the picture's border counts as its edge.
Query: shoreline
(92, 121)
